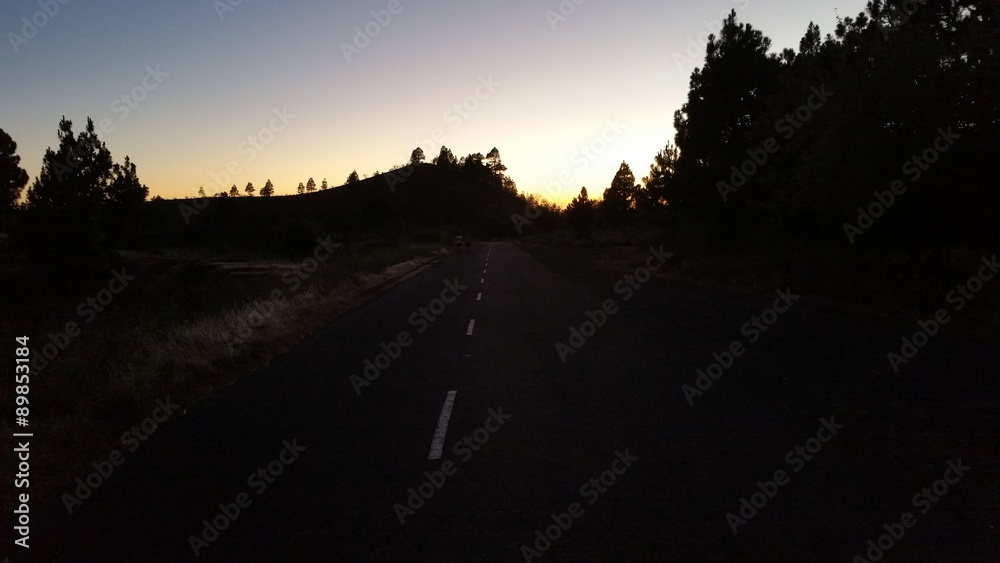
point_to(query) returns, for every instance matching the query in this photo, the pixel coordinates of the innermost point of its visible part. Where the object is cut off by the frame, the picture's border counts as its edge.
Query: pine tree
(619, 199)
(12, 177)
(122, 199)
(250, 189)
(580, 213)
(445, 158)
(311, 185)
(657, 187)
(493, 162)
(268, 189)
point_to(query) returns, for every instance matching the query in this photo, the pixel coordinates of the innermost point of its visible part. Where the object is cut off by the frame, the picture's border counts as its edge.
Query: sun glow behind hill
(471, 77)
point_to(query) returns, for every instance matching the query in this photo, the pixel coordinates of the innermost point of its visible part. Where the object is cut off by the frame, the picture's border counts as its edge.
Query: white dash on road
(482, 280)
(437, 444)
(480, 296)
(472, 323)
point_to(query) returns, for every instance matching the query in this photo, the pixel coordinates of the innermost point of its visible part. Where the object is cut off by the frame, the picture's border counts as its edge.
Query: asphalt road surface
(475, 441)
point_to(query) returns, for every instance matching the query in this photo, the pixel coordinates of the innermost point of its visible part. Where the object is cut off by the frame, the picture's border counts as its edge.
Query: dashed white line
(478, 297)
(468, 331)
(437, 444)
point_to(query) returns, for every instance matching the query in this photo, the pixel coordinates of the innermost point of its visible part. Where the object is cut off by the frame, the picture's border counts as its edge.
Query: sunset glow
(566, 92)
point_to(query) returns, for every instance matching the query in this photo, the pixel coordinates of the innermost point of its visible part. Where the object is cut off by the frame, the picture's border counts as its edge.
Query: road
(603, 451)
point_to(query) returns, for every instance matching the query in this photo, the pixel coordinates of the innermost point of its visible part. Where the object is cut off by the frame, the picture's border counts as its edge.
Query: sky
(219, 92)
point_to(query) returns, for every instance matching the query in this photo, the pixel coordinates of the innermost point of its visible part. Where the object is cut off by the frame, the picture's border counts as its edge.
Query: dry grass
(149, 347)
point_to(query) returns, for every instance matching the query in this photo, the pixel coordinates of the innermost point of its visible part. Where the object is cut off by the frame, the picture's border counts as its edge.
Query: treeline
(81, 204)
(487, 169)
(883, 133)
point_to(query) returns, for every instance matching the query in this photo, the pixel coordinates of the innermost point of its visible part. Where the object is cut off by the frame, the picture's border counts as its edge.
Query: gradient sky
(471, 75)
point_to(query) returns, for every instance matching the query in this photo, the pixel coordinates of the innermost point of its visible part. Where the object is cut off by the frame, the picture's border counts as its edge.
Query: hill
(423, 201)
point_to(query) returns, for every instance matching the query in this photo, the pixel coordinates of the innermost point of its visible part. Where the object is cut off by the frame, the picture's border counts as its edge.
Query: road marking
(472, 323)
(482, 280)
(478, 297)
(437, 444)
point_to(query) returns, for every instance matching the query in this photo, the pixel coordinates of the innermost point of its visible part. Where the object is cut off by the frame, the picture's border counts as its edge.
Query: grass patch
(179, 330)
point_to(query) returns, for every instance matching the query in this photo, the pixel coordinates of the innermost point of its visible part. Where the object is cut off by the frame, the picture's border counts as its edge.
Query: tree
(474, 168)
(125, 188)
(201, 191)
(620, 198)
(493, 162)
(250, 189)
(324, 186)
(353, 177)
(234, 191)
(268, 189)
(417, 156)
(580, 213)
(74, 177)
(302, 188)
(12, 177)
(445, 158)
(311, 185)
(508, 185)
(656, 191)
(63, 219)
(725, 101)
(124, 196)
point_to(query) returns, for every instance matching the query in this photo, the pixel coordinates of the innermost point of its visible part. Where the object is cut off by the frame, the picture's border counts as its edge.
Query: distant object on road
(463, 241)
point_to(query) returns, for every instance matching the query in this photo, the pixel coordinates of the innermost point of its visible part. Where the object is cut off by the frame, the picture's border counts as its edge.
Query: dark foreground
(603, 452)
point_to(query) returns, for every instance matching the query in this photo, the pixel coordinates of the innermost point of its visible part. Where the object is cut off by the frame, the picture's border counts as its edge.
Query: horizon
(369, 84)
